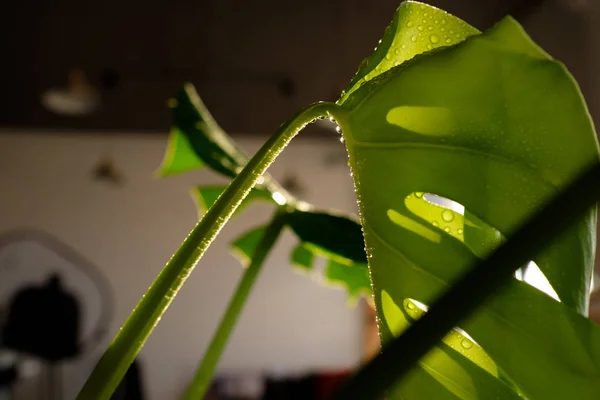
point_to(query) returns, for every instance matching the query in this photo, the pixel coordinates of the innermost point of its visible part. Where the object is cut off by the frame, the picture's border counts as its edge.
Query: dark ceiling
(254, 62)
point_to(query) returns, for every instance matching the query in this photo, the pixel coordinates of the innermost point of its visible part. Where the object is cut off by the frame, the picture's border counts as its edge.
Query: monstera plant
(472, 154)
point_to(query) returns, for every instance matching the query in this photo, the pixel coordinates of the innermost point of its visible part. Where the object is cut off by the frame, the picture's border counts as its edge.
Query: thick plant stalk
(206, 369)
(129, 340)
(474, 288)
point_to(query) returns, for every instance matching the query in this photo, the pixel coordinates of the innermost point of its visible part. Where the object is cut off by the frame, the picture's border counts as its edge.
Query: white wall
(290, 323)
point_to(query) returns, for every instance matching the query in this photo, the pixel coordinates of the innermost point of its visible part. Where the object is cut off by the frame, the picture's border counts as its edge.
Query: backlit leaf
(354, 278)
(245, 246)
(197, 141)
(331, 235)
(415, 29)
(494, 124)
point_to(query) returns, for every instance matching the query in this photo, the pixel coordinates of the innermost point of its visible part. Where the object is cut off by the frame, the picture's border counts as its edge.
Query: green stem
(204, 373)
(129, 340)
(473, 289)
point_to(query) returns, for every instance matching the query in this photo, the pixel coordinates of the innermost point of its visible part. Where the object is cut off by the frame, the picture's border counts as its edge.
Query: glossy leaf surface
(478, 123)
(415, 29)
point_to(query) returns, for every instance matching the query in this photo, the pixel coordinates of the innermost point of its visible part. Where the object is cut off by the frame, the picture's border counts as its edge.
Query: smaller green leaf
(353, 277)
(244, 247)
(332, 236)
(196, 140)
(303, 258)
(205, 197)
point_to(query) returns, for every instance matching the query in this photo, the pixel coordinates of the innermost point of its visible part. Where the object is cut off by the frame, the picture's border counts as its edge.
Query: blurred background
(85, 226)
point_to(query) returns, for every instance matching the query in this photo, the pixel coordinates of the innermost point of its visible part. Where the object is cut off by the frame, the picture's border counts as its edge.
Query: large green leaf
(496, 125)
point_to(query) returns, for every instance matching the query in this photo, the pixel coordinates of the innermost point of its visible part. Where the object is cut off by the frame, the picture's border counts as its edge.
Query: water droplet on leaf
(435, 223)
(414, 38)
(434, 39)
(447, 229)
(420, 28)
(466, 344)
(409, 24)
(448, 215)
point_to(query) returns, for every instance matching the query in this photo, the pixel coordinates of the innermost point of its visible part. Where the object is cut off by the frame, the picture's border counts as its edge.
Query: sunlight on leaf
(415, 29)
(458, 364)
(353, 278)
(197, 141)
(501, 149)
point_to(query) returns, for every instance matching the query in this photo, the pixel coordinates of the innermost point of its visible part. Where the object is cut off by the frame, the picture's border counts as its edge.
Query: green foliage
(439, 108)
(487, 120)
(476, 123)
(321, 233)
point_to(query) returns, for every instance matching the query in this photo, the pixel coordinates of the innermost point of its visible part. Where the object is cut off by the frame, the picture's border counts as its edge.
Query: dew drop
(425, 14)
(437, 21)
(338, 129)
(341, 139)
(448, 40)
(448, 215)
(414, 38)
(420, 28)
(460, 231)
(443, 22)
(435, 223)
(419, 195)
(447, 229)
(430, 27)
(424, 21)
(409, 24)
(388, 57)
(410, 305)
(397, 51)
(434, 39)
(466, 344)
(403, 46)
(443, 29)
(429, 46)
